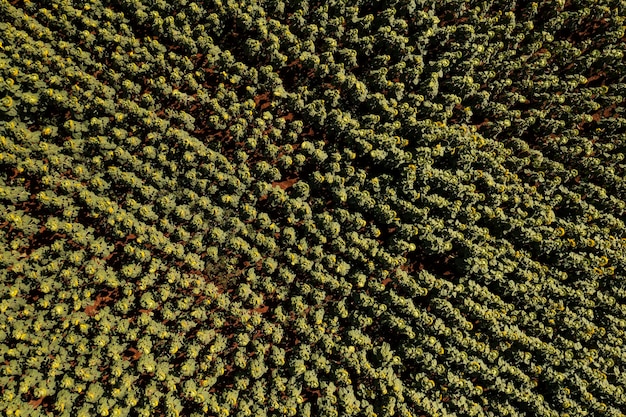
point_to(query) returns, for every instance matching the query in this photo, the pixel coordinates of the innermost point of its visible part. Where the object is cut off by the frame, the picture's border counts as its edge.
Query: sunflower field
(312, 208)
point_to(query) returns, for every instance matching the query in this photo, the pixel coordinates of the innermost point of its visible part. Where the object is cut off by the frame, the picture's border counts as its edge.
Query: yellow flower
(7, 101)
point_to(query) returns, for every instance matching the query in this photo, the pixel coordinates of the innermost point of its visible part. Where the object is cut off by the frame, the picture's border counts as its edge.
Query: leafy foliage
(312, 208)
